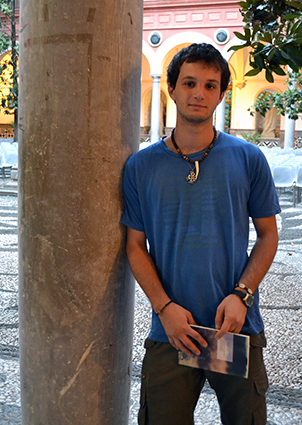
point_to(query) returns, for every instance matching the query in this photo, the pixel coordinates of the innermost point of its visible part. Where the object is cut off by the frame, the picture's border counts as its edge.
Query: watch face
(248, 300)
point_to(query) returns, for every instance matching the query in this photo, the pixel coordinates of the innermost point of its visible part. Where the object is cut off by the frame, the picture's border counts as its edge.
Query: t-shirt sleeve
(132, 216)
(263, 201)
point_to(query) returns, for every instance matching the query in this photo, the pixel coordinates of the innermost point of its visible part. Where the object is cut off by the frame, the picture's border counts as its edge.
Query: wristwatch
(246, 298)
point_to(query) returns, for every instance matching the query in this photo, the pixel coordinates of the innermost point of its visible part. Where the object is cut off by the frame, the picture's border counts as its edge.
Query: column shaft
(289, 132)
(155, 109)
(80, 67)
(220, 115)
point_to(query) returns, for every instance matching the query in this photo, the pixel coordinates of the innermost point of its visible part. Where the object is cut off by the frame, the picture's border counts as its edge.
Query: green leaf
(256, 28)
(242, 3)
(253, 72)
(259, 59)
(279, 71)
(235, 48)
(298, 38)
(284, 54)
(241, 36)
(267, 37)
(291, 16)
(247, 33)
(269, 76)
(272, 54)
(295, 4)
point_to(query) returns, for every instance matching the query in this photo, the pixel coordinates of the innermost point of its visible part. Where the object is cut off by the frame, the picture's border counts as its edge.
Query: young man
(190, 196)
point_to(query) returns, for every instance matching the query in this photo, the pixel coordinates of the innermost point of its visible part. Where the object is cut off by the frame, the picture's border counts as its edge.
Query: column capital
(155, 76)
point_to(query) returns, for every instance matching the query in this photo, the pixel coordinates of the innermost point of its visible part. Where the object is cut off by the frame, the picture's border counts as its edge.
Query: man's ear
(171, 92)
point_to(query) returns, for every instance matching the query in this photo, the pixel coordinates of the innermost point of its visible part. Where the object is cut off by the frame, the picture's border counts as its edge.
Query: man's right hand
(176, 321)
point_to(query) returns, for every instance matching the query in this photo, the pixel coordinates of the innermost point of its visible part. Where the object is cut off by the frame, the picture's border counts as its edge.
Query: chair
(273, 162)
(272, 166)
(299, 183)
(5, 172)
(288, 151)
(9, 153)
(285, 176)
(294, 163)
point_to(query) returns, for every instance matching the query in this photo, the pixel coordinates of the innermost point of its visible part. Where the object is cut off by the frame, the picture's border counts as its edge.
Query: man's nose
(199, 92)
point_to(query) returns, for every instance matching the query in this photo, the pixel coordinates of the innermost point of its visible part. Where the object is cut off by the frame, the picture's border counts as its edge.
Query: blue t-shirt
(198, 233)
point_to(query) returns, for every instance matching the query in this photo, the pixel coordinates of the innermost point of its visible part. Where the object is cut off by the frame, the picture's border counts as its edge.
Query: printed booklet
(229, 355)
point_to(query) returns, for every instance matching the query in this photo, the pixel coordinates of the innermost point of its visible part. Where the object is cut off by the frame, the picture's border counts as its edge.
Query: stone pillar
(220, 115)
(80, 67)
(155, 108)
(289, 132)
(289, 124)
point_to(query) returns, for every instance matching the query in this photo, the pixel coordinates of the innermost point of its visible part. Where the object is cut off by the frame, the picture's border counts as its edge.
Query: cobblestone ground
(281, 293)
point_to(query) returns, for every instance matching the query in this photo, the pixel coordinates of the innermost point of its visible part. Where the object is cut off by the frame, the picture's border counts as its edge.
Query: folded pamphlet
(229, 355)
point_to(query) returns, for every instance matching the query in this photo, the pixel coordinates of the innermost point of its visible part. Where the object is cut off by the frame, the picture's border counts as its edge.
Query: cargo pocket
(259, 376)
(257, 368)
(142, 413)
(261, 384)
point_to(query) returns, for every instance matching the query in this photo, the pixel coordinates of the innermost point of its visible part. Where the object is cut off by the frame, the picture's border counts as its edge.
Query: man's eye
(211, 86)
(189, 84)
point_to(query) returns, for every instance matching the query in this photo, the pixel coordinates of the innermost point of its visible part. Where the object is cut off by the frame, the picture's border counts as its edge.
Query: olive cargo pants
(170, 391)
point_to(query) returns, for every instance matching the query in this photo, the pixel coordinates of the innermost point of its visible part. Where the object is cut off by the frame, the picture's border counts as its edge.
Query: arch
(148, 52)
(233, 71)
(268, 126)
(174, 41)
(145, 67)
(146, 108)
(237, 63)
(270, 88)
(225, 50)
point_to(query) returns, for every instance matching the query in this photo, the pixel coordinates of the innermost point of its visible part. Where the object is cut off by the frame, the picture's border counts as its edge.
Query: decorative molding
(240, 84)
(222, 36)
(155, 38)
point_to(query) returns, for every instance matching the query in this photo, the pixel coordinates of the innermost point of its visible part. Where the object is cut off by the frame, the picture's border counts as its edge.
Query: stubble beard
(197, 120)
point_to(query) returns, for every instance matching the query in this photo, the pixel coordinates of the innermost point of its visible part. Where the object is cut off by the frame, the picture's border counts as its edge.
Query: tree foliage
(273, 32)
(9, 68)
(289, 102)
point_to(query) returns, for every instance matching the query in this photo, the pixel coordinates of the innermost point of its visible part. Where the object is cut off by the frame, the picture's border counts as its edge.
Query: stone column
(220, 115)
(80, 67)
(289, 132)
(155, 108)
(289, 124)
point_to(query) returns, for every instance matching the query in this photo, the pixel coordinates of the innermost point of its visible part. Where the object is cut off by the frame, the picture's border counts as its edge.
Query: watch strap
(244, 297)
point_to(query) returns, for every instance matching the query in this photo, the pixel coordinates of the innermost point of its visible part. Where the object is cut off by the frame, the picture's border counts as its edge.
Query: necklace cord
(205, 154)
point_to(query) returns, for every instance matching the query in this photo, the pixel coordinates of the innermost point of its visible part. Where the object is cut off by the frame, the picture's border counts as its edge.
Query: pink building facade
(173, 24)
(173, 17)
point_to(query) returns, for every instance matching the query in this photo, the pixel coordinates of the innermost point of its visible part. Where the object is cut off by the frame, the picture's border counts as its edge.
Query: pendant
(192, 177)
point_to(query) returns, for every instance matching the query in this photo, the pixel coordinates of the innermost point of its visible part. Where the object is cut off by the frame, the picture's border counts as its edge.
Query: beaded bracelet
(166, 305)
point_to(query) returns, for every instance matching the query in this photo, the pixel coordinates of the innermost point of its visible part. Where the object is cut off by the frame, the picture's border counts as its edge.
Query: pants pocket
(260, 387)
(259, 410)
(142, 414)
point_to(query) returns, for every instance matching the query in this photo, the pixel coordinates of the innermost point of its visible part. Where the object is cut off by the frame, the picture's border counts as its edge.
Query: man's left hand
(230, 315)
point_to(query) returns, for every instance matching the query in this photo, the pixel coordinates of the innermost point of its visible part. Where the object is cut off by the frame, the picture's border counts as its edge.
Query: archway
(268, 126)
(147, 100)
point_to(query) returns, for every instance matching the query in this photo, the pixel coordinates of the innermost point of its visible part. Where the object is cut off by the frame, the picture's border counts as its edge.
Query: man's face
(197, 92)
